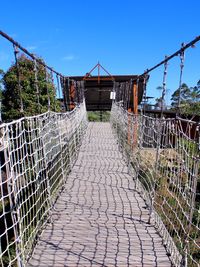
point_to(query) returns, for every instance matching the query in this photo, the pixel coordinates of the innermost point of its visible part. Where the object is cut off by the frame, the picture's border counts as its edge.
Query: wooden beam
(135, 98)
(98, 79)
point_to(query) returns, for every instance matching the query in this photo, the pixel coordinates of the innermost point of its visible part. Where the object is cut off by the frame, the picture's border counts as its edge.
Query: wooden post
(135, 98)
(72, 95)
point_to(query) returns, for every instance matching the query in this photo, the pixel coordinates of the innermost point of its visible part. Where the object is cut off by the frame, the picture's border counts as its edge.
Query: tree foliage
(1, 82)
(158, 103)
(189, 99)
(11, 91)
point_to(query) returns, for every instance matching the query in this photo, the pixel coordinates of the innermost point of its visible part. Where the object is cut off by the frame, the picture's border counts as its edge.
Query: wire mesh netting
(164, 155)
(36, 155)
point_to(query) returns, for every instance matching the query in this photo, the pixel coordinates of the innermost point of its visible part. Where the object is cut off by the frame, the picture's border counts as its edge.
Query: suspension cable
(47, 87)
(54, 89)
(64, 84)
(58, 86)
(36, 85)
(16, 51)
(182, 58)
(6, 36)
(144, 92)
(164, 86)
(59, 91)
(178, 52)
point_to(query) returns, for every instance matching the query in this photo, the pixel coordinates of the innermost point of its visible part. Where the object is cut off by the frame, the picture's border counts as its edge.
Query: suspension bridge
(118, 193)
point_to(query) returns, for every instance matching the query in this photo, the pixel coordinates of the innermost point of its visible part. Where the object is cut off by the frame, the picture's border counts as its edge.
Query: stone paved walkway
(99, 220)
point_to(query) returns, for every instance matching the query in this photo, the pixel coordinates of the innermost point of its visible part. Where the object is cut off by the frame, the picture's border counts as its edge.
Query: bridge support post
(72, 95)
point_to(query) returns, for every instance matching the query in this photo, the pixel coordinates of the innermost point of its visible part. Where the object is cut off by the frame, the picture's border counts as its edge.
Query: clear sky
(126, 36)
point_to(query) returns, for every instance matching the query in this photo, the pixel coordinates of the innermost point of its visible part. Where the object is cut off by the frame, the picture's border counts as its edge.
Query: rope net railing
(164, 157)
(37, 153)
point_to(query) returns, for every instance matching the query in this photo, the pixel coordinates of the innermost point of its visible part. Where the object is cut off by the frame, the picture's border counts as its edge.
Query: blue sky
(127, 36)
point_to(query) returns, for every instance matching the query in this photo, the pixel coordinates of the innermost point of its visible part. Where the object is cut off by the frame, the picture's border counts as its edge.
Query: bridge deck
(99, 220)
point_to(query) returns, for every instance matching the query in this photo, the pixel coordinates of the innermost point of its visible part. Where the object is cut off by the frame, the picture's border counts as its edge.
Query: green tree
(189, 99)
(184, 95)
(158, 103)
(11, 92)
(1, 82)
(195, 93)
(1, 90)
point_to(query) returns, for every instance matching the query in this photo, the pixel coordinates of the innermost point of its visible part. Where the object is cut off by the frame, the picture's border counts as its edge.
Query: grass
(98, 116)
